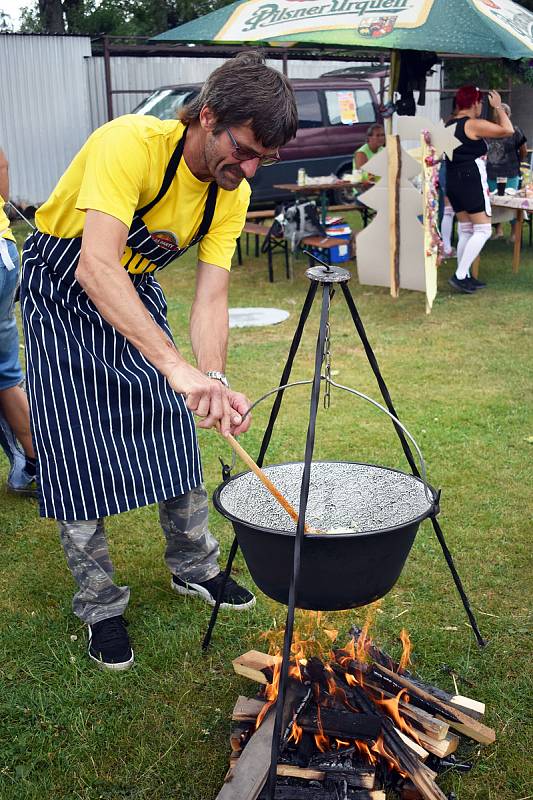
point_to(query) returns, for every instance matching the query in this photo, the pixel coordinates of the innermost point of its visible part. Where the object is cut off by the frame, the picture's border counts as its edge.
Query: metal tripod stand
(325, 277)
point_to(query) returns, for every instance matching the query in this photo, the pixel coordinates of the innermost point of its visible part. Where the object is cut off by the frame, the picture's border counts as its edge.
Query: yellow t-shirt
(5, 230)
(120, 168)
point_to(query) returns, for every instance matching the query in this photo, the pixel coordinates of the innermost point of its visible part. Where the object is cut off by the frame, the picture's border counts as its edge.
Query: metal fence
(45, 111)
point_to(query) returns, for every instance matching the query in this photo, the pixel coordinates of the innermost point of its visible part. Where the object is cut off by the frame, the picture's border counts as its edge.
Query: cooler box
(341, 253)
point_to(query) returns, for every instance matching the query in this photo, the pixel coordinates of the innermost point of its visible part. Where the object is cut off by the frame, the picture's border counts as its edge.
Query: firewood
(471, 707)
(310, 793)
(441, 748)
(290, 771)
(251, 770)
(247, 708)
(467, 704)
(341, 723)
(420, 751)
(408, 791)
(256, 666)
(240, 733)
(430, 725)
(452, 714)
(409, 762)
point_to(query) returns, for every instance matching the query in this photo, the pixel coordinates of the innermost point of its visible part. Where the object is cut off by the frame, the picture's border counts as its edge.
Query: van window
(361, 99)
(309, 111)
(165, 104)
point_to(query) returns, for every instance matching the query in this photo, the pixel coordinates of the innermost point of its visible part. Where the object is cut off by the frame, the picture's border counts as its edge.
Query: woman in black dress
(466, 178)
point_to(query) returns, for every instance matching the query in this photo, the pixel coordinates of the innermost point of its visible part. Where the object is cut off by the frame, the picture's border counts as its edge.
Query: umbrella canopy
(494, 28)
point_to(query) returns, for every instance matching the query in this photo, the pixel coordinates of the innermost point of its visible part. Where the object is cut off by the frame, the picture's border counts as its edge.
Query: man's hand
(240, 403)
(209, 399)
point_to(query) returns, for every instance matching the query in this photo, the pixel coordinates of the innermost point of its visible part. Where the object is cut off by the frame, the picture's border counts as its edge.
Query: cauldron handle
(430, 496)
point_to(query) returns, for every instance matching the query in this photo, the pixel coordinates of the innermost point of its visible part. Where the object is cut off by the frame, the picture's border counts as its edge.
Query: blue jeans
(10, 370)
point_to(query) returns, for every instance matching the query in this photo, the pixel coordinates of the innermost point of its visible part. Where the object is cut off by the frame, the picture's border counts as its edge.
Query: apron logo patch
(165, 239)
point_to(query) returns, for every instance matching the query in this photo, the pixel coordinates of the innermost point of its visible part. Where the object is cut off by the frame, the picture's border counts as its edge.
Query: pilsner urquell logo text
(272, 14)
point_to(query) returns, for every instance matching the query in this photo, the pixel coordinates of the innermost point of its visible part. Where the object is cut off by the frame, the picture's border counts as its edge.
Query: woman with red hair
(466, 178)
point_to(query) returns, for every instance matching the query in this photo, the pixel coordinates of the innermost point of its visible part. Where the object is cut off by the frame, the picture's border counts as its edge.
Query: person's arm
(209, 330)
(483, 129)
(4, 177)
(108, 285)
(360, 159)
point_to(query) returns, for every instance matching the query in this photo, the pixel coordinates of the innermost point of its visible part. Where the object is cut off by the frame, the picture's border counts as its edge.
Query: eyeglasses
(246, 154)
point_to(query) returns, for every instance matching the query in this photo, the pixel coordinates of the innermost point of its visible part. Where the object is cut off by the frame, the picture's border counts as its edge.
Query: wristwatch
(218, 376)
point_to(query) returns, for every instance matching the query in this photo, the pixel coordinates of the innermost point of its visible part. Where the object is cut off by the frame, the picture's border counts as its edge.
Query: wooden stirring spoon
(248, 460)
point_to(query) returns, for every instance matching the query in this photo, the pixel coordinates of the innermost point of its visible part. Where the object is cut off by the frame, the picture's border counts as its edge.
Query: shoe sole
(461, 290)
(23, 492)
(202, 594)
(120, 666)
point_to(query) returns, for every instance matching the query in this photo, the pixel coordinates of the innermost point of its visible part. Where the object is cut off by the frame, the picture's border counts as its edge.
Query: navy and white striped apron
(109, 432)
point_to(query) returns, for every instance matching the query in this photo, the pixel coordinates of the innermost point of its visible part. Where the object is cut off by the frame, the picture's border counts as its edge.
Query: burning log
(469, 706)
(341, 724)
(457, 718)
(305, 793)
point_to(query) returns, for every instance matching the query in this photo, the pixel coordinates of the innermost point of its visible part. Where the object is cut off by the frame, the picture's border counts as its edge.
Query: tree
(113, 17)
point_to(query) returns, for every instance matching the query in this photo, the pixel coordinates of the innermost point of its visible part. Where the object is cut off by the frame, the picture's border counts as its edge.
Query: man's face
(224, 151)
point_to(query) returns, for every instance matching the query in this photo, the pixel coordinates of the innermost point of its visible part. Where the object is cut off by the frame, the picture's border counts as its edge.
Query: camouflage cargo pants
(191, 554)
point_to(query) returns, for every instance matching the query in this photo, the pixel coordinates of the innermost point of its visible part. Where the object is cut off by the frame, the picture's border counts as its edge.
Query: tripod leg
(409, 456)
(214, 613)
(287, 370)
(298, 541)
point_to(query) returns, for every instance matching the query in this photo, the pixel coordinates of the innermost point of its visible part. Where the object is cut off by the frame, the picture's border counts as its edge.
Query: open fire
(356, 724)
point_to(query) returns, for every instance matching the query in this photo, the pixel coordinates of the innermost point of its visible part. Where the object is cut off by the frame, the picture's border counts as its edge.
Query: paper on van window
(347, 108)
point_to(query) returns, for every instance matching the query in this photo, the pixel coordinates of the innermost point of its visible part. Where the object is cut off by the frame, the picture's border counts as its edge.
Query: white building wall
(45, 115)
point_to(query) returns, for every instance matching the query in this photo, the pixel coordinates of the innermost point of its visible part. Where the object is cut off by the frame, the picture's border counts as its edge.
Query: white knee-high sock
(465, 231)
(446, 228)
(473, 248)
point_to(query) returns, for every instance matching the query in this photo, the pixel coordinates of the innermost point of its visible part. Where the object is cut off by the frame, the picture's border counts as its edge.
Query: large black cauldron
(381, 507)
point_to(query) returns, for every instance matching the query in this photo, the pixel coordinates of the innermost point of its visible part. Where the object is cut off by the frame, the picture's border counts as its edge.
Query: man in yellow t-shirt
(112, 398)
(15, 435)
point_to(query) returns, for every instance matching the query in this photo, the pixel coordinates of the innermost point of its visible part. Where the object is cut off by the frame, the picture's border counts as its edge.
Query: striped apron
(109, 432)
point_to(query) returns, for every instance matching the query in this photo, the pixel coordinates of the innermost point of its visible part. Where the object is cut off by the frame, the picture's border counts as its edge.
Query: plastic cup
(500, 186)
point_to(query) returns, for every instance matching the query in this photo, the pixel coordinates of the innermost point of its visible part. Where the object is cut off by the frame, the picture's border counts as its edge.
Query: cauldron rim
(318, 536)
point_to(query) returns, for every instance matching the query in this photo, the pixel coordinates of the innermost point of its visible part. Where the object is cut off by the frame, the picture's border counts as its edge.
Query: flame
(392, 708)
(379, 748)
(363, 642)
(296, 733)
(321, 740)
(405, 659)
(364, 750)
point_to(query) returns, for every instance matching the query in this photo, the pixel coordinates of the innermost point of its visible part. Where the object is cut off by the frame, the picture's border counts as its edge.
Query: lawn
(461, 381)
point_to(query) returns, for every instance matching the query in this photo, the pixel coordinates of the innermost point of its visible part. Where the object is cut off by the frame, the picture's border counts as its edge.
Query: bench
(274, 243)
(324, 244)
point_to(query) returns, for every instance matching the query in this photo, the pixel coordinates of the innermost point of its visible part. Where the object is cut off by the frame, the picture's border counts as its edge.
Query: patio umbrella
(493, 28)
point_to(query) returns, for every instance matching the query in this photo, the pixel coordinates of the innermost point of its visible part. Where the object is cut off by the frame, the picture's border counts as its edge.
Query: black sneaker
(235, 596)
(109, 644)
(462, 285)
(474, 283)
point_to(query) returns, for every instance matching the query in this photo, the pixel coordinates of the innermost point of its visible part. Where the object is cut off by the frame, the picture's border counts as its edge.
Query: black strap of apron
(168, 177)
(210, 204)
(167, 180)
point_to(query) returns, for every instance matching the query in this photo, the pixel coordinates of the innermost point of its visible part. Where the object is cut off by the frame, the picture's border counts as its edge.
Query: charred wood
(340, 723)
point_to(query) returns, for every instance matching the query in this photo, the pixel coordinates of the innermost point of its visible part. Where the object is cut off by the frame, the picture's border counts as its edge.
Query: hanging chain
(327, 355)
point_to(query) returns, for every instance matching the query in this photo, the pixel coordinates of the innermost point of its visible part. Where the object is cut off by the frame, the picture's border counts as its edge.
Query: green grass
(461, 381)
